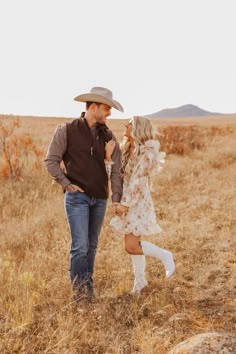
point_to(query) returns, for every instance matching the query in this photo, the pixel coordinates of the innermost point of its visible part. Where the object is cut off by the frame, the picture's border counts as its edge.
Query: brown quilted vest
(84, 157)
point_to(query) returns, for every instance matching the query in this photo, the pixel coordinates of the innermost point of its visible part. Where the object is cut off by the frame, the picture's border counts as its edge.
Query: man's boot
(90, 294)
(79, 289)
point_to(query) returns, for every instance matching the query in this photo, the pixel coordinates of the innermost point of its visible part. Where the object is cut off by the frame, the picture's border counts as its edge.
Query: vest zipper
(91, 150)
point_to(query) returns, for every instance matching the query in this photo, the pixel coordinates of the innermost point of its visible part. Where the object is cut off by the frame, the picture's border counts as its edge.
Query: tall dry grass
(195, 200)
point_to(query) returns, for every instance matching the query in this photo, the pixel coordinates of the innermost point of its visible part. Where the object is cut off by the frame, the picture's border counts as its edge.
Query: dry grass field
(195, 200)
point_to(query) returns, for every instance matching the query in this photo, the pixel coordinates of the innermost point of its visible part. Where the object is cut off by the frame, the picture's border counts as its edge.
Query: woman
(135, 215)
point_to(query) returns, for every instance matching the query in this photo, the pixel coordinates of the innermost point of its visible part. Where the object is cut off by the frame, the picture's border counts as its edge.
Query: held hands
(119, 209)
(73, 188)
(109, 148)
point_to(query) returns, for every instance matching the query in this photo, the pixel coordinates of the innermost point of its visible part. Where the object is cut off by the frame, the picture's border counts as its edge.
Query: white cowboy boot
(149, 249)
(139, 265)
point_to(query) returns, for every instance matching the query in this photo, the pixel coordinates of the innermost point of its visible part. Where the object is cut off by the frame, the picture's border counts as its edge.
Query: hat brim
(93, 97)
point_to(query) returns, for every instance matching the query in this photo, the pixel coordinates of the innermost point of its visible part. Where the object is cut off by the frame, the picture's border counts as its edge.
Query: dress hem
(135, 234)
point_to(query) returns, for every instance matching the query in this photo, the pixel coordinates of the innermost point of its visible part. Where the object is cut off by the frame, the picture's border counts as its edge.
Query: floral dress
(140, 219)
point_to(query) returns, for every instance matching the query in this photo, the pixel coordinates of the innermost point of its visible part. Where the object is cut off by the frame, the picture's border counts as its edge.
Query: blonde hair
(142, 131)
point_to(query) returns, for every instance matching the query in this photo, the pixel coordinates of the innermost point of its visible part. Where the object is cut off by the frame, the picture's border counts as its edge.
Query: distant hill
(188, 110)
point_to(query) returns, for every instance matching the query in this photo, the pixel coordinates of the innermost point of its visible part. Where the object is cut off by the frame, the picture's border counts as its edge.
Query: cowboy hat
(100, 95)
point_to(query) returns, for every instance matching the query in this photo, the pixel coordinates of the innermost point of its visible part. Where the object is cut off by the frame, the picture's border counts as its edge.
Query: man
(80, 145)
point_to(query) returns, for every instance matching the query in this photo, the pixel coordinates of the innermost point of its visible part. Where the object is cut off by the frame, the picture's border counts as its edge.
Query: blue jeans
(85, 216)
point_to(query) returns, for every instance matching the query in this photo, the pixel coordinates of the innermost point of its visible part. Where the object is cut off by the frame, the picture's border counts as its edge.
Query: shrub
(18, 152)
(182, 140)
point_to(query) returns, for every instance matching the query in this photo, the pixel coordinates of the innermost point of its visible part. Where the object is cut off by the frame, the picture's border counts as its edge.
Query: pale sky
(153, 54)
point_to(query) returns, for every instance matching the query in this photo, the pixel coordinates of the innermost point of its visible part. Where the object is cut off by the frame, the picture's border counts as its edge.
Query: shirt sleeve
(149, 164)
(116, 178)
(54, 156)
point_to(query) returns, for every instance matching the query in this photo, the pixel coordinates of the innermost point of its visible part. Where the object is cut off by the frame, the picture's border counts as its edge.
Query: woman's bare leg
(132, 244)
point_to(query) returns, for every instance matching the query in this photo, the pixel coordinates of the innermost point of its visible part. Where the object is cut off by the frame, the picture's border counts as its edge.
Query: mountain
(188, 110)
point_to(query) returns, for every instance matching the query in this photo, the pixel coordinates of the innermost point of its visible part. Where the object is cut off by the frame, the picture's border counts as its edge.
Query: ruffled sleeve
(151, 159)
(108, 166)
(149, 164)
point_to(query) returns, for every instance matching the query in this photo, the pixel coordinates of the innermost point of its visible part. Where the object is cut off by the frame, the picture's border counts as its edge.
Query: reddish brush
(18, 153)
